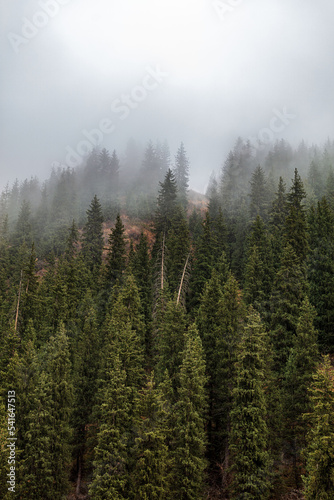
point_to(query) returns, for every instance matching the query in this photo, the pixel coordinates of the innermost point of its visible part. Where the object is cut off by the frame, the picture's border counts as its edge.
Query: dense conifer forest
(164, 344)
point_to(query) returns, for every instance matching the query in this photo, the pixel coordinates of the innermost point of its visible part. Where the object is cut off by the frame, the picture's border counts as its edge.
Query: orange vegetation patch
(132, 231)
(197, 201)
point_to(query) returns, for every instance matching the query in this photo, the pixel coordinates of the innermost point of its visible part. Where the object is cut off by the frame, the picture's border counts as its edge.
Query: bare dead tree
(18, 302)
(184, 279)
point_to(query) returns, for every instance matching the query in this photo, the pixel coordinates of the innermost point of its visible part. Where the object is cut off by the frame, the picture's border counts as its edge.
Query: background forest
(164, 344)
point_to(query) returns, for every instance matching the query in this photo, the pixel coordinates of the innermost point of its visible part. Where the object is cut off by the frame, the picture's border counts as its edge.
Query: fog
(199, 71)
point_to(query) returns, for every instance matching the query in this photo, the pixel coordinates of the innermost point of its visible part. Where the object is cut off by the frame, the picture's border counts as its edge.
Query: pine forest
(162, 344)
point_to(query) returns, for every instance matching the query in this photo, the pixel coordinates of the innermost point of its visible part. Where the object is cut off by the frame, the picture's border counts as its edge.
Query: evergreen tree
(170, 341)
(195, 225)
(190, 437)
(178, 245)
(72, 242)
(163, 154)
(142, 271)
(219, 231)
(28, 306)
(166, 204)
(289, 291)
(277, 220)
(86, 349)
(315, 180)
(23, 228)
(296, 230)
(151, 169)
(116, 258)
(259, 270)
(298, 377)
(249, 432)
(219, 320)
(37, 479)
(151, 469)
(319, 477)
(321, 271)
(203, 262)
(110, 476)
(258, 194)
(127, 310)
(209, 322)
(92, 245)
(329, 191)
(181, 173)
(121, 377)
(46, 467)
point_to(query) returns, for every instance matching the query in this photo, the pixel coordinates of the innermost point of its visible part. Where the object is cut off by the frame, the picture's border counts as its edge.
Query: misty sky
(198, 71)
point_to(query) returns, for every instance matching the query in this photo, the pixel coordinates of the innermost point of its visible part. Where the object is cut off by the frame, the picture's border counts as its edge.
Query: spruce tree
(169, 343)
(249, 432)
(315, 180)
(126, 310)
(298, 377)
(203, 262)
(321, 271)
(259, 270)
(166, 204)
(189, 433)
(289, 291)
(142, 271)
(219, 320)
(58, 367)
(110, 475)
(28, 307)
(178, 245)
(37, 479)
(47, 441)
(258, 194)
(296, 229)
(195, 225)
(92, 245)
(116, 257)
(181, 173)
(151, 461)
(209, 323)
(329, 191)
(319, 454)
(278, 214)
(23, 228)
(151, 169)
(121, 376)
(86, 352)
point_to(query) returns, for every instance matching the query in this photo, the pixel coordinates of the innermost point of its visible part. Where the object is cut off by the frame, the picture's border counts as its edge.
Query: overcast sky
(198, 71)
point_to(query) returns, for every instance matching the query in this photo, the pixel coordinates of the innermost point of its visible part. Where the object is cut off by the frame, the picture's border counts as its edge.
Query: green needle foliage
(170, 341)
(116, 258)
(289, 291)
(47, 439)
(190, 438)
(300, 368)
(151, 470)
(92, 245)
(249, 431)
(319, 454)
(296, 230)
(110, 477)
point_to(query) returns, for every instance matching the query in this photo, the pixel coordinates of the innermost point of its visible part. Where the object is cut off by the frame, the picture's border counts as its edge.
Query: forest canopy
(163, 343)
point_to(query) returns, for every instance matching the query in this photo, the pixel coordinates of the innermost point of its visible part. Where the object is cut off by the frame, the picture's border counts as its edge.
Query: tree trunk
(77, 489)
